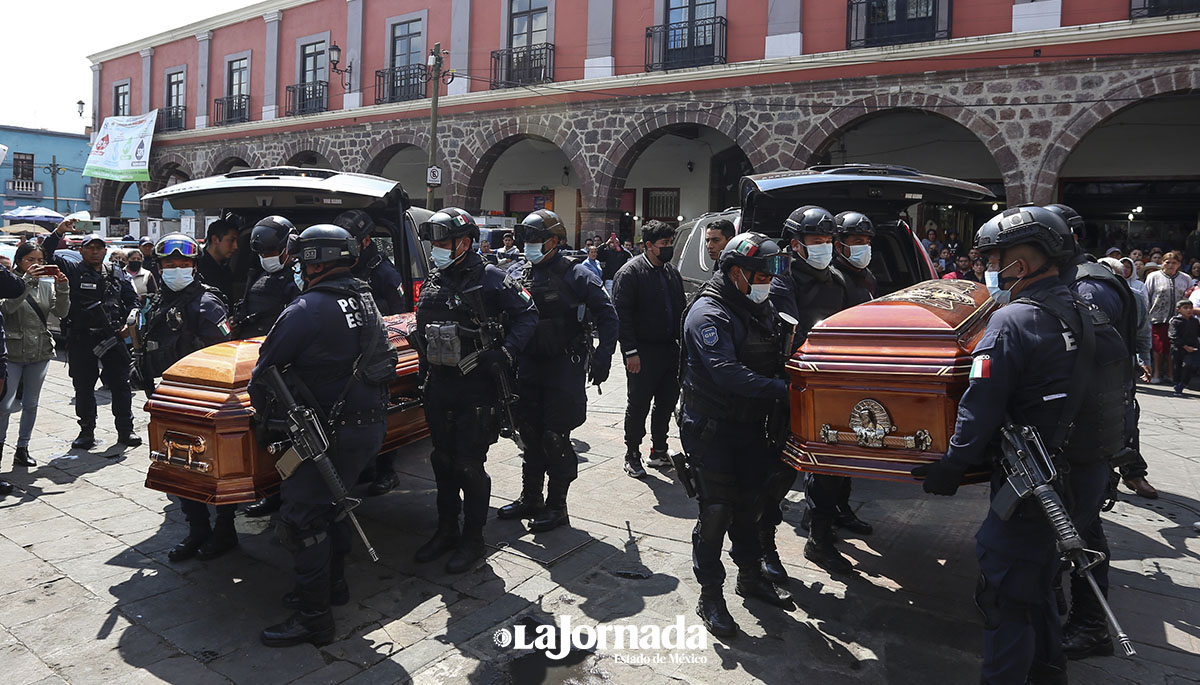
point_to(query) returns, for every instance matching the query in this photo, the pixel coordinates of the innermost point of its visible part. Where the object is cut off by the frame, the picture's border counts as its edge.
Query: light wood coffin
(875, 388)
(202, 445)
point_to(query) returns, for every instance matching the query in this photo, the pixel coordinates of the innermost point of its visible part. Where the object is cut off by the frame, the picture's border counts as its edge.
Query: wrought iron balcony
(870, 23)
(523, 66)
(172, 118)
(15, 187)
(307, 98)
(231, 109)
(399, 84)
(1139, 9)
(686, 44)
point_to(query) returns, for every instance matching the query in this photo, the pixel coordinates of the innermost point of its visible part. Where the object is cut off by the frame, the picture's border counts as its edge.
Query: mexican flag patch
(526, 296)
(981, 367)
(224, 326)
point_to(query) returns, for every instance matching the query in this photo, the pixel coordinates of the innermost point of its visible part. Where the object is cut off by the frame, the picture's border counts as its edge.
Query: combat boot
(529, 503)
(223, 539)
(772, 567)
(752, 583)
(198, 533)
(21, 458)
(820, 548)
(307, 626)
(712, 610)
(264, 507)
(848, 520)
(85, 440)
(469, 551)
(1086, 631)
(129, 439)
(555, 512)
(444, 540)
(6, 489)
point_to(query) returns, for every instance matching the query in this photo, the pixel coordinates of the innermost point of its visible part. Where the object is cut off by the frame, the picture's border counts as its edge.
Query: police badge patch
(709, 335)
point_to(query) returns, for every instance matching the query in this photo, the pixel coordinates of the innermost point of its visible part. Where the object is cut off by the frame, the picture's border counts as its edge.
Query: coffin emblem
(871, 426)
(939, 294)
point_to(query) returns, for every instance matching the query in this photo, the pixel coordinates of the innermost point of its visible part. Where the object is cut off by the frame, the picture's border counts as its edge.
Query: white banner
(122, 148)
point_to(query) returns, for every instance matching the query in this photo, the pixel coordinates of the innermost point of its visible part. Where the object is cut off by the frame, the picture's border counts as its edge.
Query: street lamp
(79, 107)
(335, 56)
(55, 171)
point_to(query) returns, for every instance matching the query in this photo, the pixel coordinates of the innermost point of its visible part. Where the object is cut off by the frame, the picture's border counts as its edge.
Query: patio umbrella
(18, 229)
(32, 213)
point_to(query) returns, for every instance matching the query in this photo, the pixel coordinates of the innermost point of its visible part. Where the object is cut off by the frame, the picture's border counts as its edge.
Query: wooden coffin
(875, 388)
(202, 444)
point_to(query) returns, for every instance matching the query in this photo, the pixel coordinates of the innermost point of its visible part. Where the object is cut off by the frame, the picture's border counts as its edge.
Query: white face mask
(178, 278)
(298, 277)
(270, 264)
(819, 256)
(442, 257)
(759, 292)
(860, 256)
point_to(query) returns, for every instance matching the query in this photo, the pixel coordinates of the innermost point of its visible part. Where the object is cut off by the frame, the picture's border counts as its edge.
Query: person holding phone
(29, 342)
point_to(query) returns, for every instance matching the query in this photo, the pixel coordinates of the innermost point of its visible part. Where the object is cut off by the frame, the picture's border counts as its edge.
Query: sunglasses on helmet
(179, 246)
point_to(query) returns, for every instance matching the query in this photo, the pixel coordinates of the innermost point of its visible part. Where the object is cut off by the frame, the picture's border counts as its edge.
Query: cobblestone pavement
(87, 594)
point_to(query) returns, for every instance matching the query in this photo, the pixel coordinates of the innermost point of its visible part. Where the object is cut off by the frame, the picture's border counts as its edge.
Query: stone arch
(829, 128)
(294, 152)
(479, 151)
(106, 197)
(164, 168)
(1182, 80)
(221, 160)
(614, 168)
(375, 157)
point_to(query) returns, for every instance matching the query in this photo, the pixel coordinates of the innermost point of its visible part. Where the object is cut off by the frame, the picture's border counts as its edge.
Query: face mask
(178, 278)
(992, 280)
(665, 253)
(298, 277)
(533, 252)
(759, 292)
(135, 266)
(270, 264)
(860, 256)
(442, 257)
(819, 256)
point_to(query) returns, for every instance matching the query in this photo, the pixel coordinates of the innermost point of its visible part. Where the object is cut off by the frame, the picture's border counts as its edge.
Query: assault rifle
(491, 337)
(1030, 471)
(311, 444)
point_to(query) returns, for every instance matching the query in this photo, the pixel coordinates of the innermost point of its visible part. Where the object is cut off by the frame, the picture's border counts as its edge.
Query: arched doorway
(229, 164)
(406, 164)
(309, 159)
(529, 173)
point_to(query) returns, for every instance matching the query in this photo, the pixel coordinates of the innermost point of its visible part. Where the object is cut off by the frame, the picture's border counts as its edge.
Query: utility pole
(55, 171)
(435, 77)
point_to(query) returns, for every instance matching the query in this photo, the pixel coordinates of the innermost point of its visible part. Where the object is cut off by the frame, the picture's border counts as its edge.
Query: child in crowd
(1185, 344)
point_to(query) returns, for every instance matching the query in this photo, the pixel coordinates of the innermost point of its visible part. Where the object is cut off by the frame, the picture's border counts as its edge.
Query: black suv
(883, 192)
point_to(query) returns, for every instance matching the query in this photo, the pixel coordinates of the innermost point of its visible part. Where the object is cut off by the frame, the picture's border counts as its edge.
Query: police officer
(387, 287)
(466, 306)
(852, 256)
(275, 287)
(100, 301)
(1086, 631)
(810, 291)
(185, 315)
(1029, 368)
(733, 351)
(323, 370)
(551, 370)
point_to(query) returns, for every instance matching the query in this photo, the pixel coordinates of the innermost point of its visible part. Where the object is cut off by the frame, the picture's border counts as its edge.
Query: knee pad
(557, 445)
(715, 519)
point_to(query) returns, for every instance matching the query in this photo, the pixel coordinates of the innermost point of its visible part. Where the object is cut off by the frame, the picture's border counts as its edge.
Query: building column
(598, 221)
(95, 100)
(460, 46)
(204, 43)
(147, 72)
(1035, 16)
(784, 38)
(270, 108)
(600, 62)
(353, 56)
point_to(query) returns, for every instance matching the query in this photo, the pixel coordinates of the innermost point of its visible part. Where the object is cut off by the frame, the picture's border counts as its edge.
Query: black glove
(941, 477)
(496, 358)
(599, 372)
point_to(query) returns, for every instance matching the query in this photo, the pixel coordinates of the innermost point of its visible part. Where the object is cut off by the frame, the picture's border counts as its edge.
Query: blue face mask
(819, 256)
(860, 256)
(533, 252)
(298, 277)
(178, 278)
(992, 280)
(442, 257)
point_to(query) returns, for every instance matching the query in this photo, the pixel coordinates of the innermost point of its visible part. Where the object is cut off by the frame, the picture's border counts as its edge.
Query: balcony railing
(231, 109)
(686, 44)
(1139, 9)
(172, 118)
(307, 98)
(14, 187)
(523, 66)
(400, 83)
(871, 23)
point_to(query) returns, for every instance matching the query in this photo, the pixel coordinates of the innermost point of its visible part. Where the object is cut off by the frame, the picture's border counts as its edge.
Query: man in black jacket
(613, 256)
(648, 295)
(219, 247)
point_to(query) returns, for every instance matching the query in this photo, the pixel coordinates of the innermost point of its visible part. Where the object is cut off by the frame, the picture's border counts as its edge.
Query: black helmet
(854, 223)
(1019, 225)
(326, 244)
(359, 223)
(754, 252)
(1074, 227)
(539, 227)
(451, 222)
(809, 220)
(270, 234)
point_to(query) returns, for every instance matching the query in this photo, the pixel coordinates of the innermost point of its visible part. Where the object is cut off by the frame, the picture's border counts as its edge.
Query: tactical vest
(759, 351)
(96, 307)
(561, 315)
(264, 303)
(816, 300)
(169, 333)
(1091, 271)
(447, 328)
(377, 359)
(1097, 431)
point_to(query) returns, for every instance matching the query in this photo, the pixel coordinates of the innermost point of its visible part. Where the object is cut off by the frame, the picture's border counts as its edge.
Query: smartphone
(50, 269)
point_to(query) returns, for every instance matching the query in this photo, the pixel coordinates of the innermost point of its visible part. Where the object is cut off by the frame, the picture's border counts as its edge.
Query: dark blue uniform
(100, 301)
(264, 302)
(1023, 368)
(552, 369)
(462, 410)
(729, 385)
(387, 287)
(323, 364)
